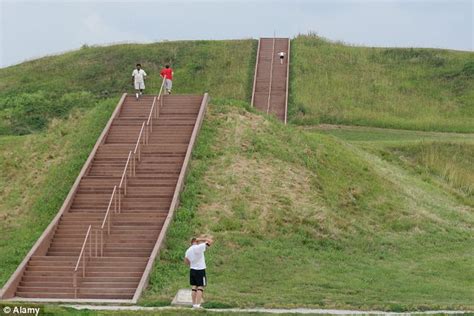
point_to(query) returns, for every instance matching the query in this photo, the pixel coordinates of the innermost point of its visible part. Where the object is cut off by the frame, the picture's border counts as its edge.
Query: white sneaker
(136, 95)
(197, 306)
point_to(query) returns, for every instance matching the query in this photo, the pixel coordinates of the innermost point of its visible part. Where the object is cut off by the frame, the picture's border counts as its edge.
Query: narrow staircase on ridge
(270, 88)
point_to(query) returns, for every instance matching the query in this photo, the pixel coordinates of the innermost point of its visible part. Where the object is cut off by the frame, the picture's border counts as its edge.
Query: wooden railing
(82, 258)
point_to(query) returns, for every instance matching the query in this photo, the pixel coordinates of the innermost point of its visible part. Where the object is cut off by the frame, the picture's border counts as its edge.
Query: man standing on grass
(167, 73)
(138, 79)
(194, 258)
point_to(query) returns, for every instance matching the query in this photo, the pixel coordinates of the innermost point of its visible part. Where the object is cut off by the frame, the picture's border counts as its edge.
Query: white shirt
(195, 255)
(138, 75)
(282, 54)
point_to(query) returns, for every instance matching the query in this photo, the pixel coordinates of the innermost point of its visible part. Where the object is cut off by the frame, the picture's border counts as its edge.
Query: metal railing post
(125, 185)
(74, 283)
(146, 135)
(120, 200)
(82, 258)
(134, 163)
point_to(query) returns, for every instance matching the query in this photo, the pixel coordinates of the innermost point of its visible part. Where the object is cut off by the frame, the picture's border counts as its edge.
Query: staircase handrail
(137, 152)
(108, 219)
(116, 197)
(124, 178)
(82, 256)
(153, 112)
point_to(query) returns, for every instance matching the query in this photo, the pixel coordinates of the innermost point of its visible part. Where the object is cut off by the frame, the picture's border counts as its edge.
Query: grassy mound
(60, 116)
(423, 89)
(303, 218)
(37, 172)
(346, 217)
(450, 164)
(33, 93)
(442, 158)
(418, 89)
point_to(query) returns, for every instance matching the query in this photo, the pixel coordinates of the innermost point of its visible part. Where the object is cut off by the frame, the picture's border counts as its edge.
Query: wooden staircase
(102, 244)
(270, 87)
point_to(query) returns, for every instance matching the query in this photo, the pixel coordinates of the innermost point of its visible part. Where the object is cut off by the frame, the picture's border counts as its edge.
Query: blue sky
(31, 29)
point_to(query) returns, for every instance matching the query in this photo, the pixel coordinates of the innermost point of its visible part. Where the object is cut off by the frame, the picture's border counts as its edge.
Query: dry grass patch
(264, 195)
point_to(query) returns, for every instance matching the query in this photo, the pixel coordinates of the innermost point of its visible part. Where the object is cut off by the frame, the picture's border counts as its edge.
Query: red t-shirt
(168, 72)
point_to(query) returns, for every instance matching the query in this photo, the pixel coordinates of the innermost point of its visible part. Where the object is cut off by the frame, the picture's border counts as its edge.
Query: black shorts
(197, 277)
(281, 57)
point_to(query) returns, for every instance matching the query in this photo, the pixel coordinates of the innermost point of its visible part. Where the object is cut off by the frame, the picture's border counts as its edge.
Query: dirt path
(370, 128)
(303, 311)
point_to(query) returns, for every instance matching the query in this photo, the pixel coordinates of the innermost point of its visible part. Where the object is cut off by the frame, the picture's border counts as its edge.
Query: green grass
(59, 311)
(443, 158)
(317, 216)
(417, 89)
(38, 171)
(451, 164)
(29, 100)
(301, 218)
(39, 167)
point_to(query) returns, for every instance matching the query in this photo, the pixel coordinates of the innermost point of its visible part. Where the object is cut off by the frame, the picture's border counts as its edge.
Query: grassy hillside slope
(302, 218)
(425, 89)
(34, 92)
(62, 114)
(421, 89)
(442, 158)
(37, 172)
